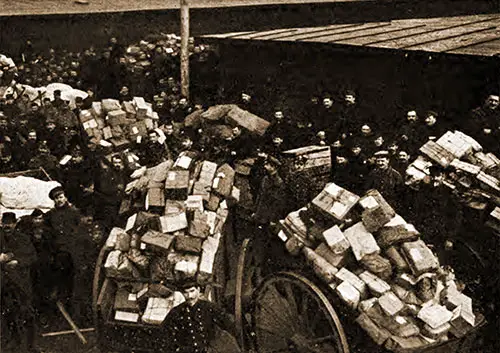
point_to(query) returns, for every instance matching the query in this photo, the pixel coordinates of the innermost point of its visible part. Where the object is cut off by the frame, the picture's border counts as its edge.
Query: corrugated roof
(468, 35)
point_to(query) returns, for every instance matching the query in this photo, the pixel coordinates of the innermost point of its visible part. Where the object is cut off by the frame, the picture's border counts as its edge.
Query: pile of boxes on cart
(176, 236)
(474, 174)
(378, 266)
(113, 125)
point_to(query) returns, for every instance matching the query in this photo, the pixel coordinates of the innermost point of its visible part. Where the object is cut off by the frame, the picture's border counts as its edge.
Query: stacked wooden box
(379, 267)
(176, 237)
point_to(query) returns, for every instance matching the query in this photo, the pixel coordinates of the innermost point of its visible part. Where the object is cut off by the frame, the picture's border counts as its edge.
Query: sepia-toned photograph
(250, 176)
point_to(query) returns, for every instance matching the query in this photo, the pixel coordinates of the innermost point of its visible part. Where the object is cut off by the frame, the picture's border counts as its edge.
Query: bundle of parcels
(178, 237)
(379, 267)
(472, 173)
(115, 126)
(218, 121)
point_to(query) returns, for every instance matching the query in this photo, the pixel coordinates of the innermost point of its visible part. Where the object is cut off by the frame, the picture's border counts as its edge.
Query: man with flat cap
(198, 325)
(384, 178)
(17, 256)
(64, 220)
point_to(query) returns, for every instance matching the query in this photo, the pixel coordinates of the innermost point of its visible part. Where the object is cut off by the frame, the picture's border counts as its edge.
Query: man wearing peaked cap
(198, 325)
(384, 178)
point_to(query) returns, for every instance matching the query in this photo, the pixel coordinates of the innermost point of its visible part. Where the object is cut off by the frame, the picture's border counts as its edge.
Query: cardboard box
(398, 325)
(336, 240)
(377, 265)
(336, 259)
(223, 181)
(344, 275)
(117, 132)
(400, 344)
(106, 133)
(129, 108)
(322, 268)
(362, 242)
(157, 310)
(199, 227)
(194, 203)
(365, 305)
(122, 241)
(158, 241)
(189, 244)
(141, 107)
(455, 144)
(97, 109)
(247, 120)
(377, 334)
(119, 144)
(186, 269)
(420, 257)
(489, 181)
(126, 316)
(334, 202)
(213, 202)
(437, 332)
(112, 262)
(203, 185)
(295, 244)
(207, 261)
(391, 305)
(408, 296)
(173, 222)
(126, 301)
(348, 294)
(435, 315)
(136, 129)
(462, 321)
(155, 198)
(465, 167)
(86, 115)
(116, 118)
(376, 285)
(109, 105)
(437, 153)
(174, 207)
(217, 112)
(177, 184)
(376, 211)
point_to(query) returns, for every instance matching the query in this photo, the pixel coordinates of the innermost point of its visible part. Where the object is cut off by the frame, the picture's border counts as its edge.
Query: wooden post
(70, 321)
(185, 48)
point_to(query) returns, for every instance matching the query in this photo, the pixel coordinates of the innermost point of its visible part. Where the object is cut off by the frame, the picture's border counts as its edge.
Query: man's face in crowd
(277, 141)
(430, 120)
(236, 131)
(350, 99)
(492, 102)
(60, 200)
(393, 148)
(3, 124)
(356, 150)
(37, 221)
(379, 141)
(183, 102)
(118, 163)
(51, 126)
(192, 295)
(9, 227)
(278, 115)
(366, 130)
(245, 97)
(411, 116)
(382, 162)
(403, 157)
(341, 160)
(169, 130)
(187, 143)
(327, 103)
(32, 136)
(153, 137)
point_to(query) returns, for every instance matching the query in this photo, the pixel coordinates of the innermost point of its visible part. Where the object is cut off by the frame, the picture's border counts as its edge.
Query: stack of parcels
(115, 126)
(379, 267)
(474, 174)
(178, 237)
(219, 119)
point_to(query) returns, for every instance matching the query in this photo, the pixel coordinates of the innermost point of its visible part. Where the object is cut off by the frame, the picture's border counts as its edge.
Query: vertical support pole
(185, 48)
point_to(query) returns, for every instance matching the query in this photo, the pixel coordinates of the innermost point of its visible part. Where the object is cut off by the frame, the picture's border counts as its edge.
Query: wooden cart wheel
(291, 314)
(243, 259)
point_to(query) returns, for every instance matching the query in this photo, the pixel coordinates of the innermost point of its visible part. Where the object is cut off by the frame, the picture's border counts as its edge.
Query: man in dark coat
(384, 178)
(195, 325)
(17, 256)
(109, 190)
(484, 123)
(153, 152)
(64, 220)
(410, 135)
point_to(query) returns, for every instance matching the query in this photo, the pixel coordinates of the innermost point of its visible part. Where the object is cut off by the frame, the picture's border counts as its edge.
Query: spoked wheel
(291, 314)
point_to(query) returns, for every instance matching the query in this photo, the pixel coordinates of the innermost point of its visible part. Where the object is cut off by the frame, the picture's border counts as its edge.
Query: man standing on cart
(198, 325)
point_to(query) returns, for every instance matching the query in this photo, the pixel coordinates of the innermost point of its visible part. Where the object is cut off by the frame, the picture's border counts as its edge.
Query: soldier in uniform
(196, 325)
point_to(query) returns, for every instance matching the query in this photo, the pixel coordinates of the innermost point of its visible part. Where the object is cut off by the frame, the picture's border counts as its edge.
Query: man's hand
(487, 131)
(12, 263)
(6, 257)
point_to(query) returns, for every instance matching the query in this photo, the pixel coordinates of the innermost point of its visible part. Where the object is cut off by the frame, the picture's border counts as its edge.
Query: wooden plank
(270, 33)
(380, 38)
(460, 41)
(313, 31)
(367, 36)
(333, 30)
(226, 35)
(435, 41)
(488, 48)
(433, 34)
(325, 38)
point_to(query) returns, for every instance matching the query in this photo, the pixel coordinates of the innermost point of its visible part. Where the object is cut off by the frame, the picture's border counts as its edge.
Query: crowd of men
(53, 251)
